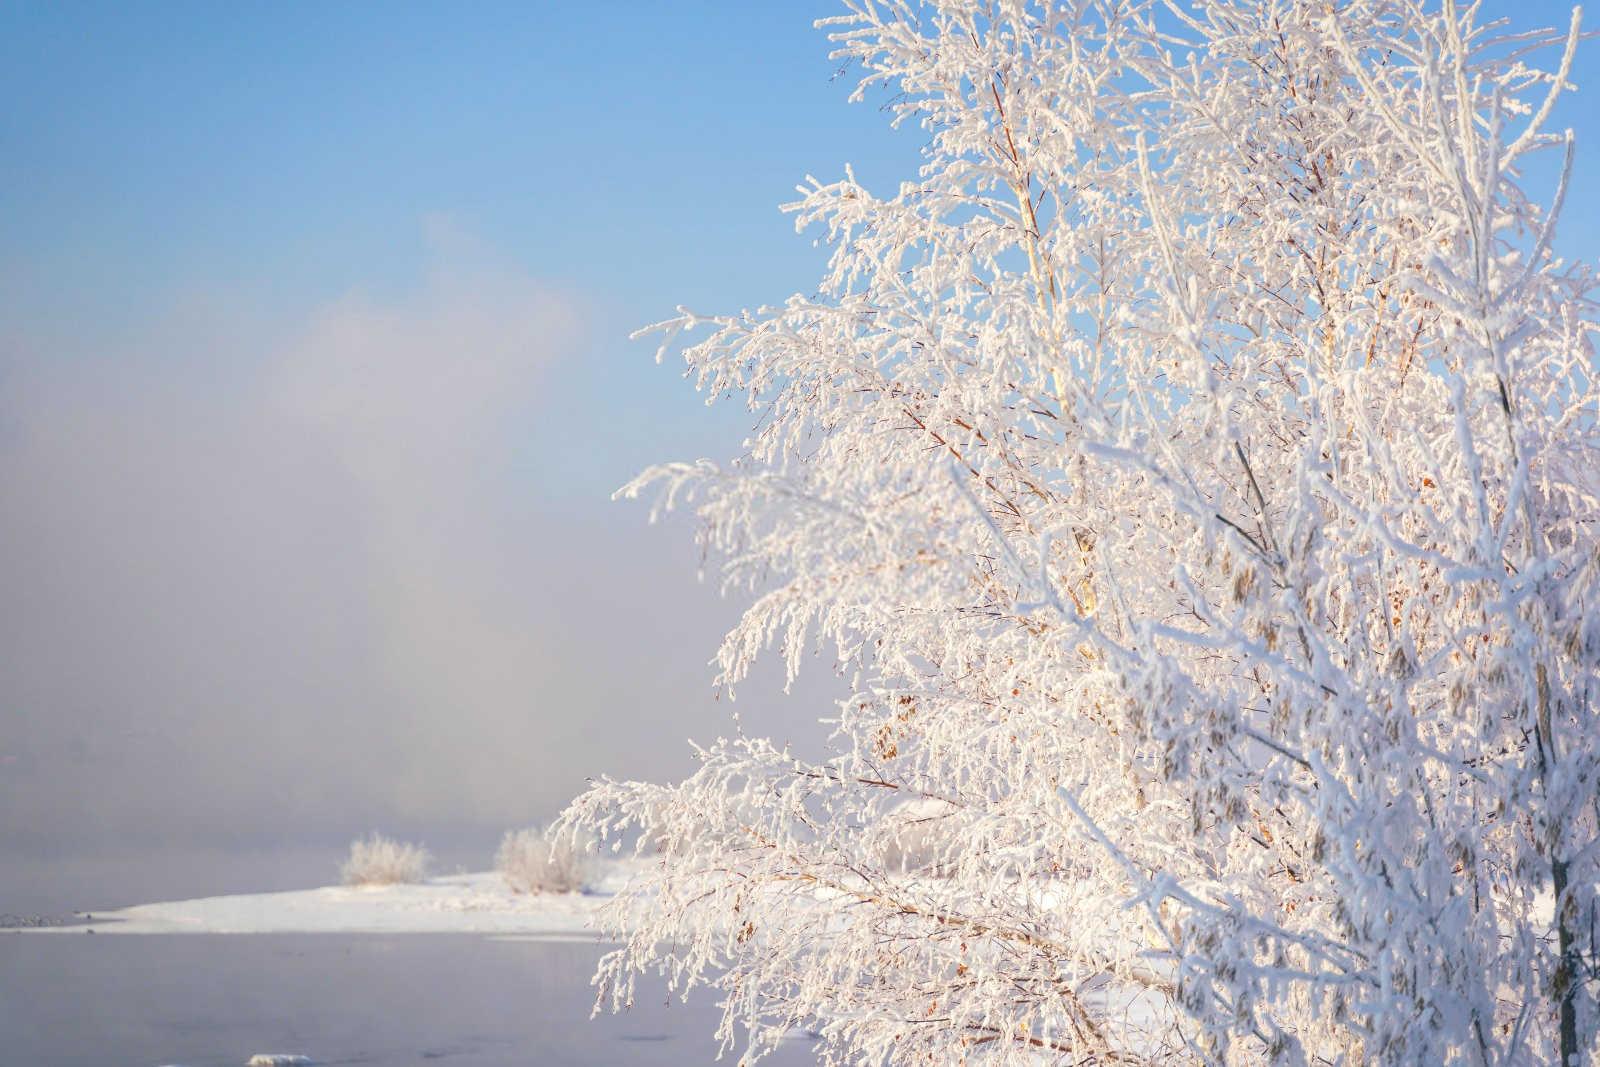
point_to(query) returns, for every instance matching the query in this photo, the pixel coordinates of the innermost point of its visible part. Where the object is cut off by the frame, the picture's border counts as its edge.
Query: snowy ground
(454, 904)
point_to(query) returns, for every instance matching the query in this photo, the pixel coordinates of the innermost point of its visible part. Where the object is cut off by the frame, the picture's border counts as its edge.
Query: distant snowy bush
(534, 861)
(378, 860)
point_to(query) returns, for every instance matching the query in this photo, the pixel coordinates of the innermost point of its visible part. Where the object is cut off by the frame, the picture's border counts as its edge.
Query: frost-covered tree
(1195, 467)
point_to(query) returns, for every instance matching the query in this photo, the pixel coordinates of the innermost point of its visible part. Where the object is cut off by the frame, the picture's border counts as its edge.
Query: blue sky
(630, 152)
(295, 149)
(315, 382)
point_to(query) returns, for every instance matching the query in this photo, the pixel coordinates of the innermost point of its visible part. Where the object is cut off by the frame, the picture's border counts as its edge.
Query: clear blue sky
(632, 151)
(243, 504)
(629, 149)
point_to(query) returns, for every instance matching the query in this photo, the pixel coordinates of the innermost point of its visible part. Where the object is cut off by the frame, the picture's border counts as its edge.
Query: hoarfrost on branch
(1194, 467)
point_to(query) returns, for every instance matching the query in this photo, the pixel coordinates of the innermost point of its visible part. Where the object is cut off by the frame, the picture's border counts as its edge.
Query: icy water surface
(205, 1000)
(72, 999)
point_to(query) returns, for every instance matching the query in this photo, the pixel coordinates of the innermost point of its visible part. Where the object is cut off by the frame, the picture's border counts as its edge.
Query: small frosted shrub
(534, 861)
(379, 860)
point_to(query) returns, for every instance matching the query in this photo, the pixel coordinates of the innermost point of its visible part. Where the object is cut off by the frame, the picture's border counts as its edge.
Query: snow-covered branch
(1193, 469)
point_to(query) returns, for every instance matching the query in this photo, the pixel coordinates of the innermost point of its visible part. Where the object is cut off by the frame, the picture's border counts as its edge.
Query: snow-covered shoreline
(477, 903)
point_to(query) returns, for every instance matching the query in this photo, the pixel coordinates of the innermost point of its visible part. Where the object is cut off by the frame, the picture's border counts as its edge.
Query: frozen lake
(207, 1000)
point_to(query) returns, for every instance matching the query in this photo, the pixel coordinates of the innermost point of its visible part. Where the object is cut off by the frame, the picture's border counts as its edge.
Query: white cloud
(357, 569)
(247, 577)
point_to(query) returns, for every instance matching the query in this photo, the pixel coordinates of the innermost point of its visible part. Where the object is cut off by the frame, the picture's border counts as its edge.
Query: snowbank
(456, 904)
